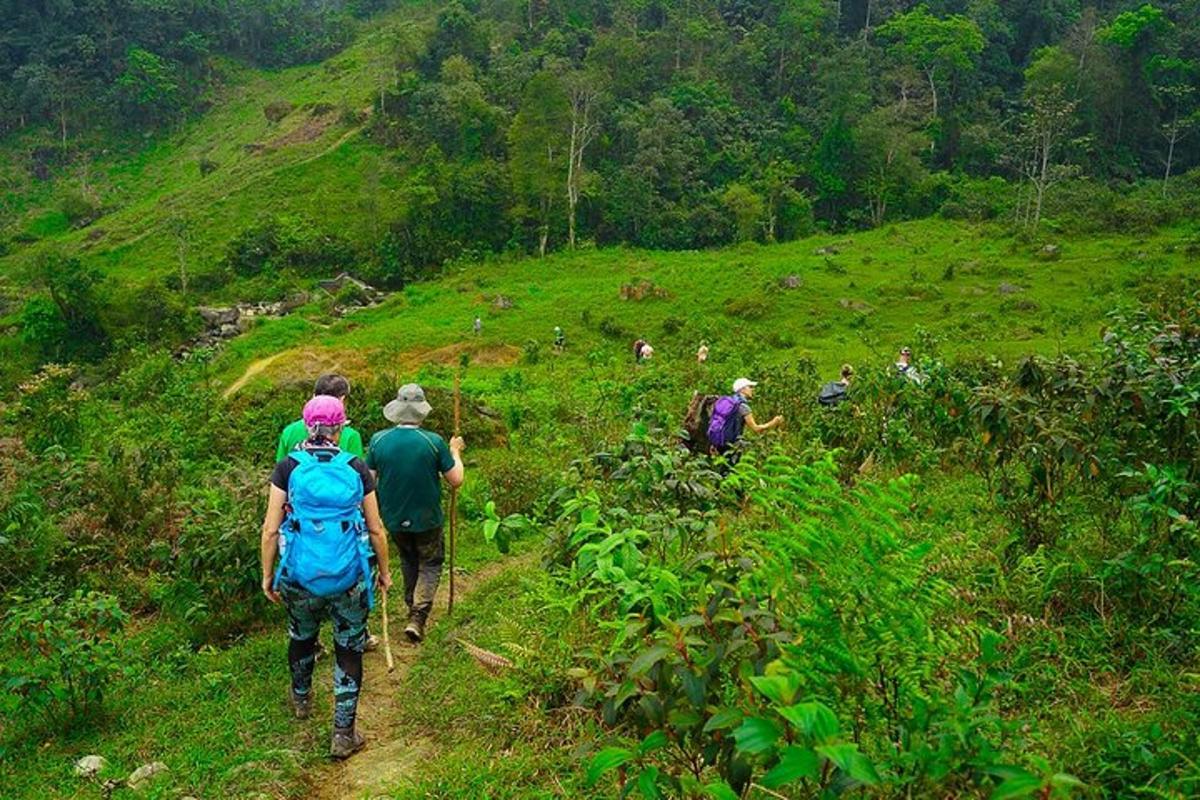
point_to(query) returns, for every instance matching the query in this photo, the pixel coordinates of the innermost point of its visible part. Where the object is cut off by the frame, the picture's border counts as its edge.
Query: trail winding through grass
(392, 754)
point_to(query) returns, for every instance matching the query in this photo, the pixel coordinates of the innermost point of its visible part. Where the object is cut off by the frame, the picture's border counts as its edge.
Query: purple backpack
(725, 426)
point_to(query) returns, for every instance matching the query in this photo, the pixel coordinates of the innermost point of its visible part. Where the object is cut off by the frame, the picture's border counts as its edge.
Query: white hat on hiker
(742, 383)
(409, 407)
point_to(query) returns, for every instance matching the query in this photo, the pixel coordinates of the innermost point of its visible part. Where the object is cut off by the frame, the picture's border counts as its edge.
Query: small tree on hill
(942, 48)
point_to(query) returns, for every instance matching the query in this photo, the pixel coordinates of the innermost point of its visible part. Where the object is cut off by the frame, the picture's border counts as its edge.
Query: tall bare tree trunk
(582, 132)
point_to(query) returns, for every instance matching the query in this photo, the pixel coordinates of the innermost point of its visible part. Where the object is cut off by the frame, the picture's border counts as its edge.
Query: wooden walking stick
(454, 492)
(387, 643)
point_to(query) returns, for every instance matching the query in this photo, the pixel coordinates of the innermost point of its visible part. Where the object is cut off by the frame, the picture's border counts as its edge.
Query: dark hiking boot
(345, 742)
(301, 705)
(415, 631)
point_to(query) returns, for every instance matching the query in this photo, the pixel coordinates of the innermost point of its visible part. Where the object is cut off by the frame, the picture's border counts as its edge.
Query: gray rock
(293, 302)
(145, 773)
(1008, 288)
(90, 766)
(1051, 252)
(215, 317)
(503, 302)
(856, 305)
(228, 331)
(791, 282)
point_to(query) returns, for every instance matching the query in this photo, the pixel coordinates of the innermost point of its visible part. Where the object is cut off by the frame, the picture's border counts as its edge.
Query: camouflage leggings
(348, 613)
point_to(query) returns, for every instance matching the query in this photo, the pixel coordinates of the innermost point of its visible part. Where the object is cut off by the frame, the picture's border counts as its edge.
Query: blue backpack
(324, 544)
(725, 425)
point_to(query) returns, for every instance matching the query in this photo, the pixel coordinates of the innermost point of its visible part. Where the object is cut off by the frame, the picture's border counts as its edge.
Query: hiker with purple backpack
(731, 415)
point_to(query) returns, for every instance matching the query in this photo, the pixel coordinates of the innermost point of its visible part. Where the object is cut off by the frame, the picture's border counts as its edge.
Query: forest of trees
(535, 124)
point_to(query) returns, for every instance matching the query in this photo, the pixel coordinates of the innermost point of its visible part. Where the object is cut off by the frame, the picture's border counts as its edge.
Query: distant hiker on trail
(408, 462)
(296, 433)
(905, 368)
(732, 414)
(702, 353)
(560, 339)
(642, 350)
(835, 392)
(323, 525)
(478, 326)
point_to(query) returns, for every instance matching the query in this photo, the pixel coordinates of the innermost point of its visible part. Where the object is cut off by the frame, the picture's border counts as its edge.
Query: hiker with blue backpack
(296, 433)
(322, 530)
(731, 415)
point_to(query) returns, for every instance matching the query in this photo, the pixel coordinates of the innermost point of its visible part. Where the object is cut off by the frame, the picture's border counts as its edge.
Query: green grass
(941, 281)
(218, 718)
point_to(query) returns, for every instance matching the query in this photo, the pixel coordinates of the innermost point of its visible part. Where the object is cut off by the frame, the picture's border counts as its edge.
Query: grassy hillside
(312, 161)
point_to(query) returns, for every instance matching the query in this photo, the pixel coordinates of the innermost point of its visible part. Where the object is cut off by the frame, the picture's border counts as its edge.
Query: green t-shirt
(295, 433)
(410, 463)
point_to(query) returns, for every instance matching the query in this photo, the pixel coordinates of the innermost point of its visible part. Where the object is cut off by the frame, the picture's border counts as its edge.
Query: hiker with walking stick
(408, 462)
(320, 532)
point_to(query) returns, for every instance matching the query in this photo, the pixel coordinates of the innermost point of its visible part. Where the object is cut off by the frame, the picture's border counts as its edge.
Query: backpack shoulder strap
(302, 456)
(342, 457)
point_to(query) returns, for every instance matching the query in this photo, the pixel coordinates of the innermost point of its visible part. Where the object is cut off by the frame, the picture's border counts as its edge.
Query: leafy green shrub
(288, 243)
(612, 329)
(80, 209)
(809, 648)
(65, 653)
(29, 539)
(749, 307)
(47, 409)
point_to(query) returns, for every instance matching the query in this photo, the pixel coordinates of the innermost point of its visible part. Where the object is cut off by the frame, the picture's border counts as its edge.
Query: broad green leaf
(653, 741)
(724, 718)
(1062, 779)
(1018, 786)
(812, 719)
(647, 783)
(720, 791)
(682, 719)
(794, 763)
(847, 758)
(648, 658)
(779, 689)
(756, 735)
(606, 760)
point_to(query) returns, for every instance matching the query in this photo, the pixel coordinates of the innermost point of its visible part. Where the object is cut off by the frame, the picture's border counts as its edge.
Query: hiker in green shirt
(295, 434)
(409, 463)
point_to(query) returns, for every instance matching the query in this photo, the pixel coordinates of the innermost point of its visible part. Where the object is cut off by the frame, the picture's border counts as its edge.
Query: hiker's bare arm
(754, 426)
(378, 535)
(270, 541)
(456, 474)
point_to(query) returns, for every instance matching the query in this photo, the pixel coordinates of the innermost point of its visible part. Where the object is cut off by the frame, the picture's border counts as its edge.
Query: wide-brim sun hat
(742, 383)
(324, 409)
(409, 407)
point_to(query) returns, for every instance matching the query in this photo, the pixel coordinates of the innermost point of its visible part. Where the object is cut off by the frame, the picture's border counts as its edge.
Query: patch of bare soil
(311, 129)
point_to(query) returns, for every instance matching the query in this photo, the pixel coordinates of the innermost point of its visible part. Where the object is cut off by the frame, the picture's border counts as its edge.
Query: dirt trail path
(390, 755)
(252, 370)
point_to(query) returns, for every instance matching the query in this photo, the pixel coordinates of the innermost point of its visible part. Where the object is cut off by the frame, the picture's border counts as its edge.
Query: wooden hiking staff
(387, 643)
(454, 493)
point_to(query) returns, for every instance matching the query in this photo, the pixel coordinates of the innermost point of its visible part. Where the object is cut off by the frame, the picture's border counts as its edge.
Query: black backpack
(695, 422)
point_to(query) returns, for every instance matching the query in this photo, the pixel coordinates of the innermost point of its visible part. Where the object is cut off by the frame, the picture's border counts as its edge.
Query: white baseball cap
(742, 383)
